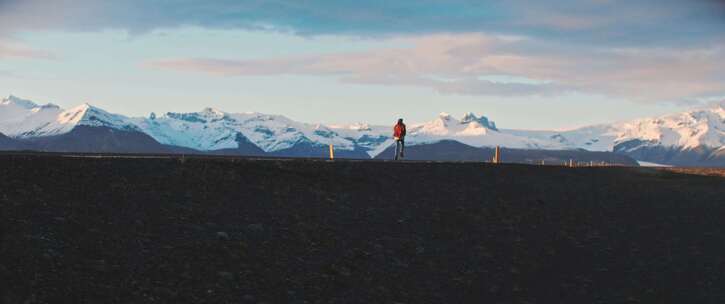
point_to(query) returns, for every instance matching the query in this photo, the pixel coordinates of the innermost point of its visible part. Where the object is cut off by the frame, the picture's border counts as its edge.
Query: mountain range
(691, 138)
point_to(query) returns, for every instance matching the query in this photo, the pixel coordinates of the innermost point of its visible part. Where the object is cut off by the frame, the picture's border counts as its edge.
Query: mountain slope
(691, 138)
(25, 119)
(703, 127)
(211, 129)
(19, 117)
(244, 147)
(672, 155)
(9, 144)
(453, 150)
(311, 149)
(471, 130)
(99, 139)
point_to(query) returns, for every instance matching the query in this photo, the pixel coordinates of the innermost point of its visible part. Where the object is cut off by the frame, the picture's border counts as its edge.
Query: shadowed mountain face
(310, 149)
(244, 147)
(99, 139)
(695, 157)
(109, 140)
(453, 150)
(7, 143)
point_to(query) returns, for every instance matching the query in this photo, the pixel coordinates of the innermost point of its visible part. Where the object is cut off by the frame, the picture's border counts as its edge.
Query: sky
(524, 64)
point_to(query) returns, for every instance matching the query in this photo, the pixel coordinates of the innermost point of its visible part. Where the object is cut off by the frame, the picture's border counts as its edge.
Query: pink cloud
(454, 64)
(15, 50)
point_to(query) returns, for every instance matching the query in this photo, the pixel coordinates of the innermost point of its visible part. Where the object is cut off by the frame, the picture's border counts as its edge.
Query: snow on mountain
(686, 130)
(23, 118)
(212, 129)
(88, 115)
(592, 138)
(471, 130)
(470, 117)
(18, 102)
(19, 116)
(203, 130)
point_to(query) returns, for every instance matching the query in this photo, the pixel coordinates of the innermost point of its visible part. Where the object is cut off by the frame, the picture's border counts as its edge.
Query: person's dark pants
(399, 147)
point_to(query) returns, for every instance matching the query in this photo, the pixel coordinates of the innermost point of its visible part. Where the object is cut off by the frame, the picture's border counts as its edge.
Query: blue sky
(524, 64)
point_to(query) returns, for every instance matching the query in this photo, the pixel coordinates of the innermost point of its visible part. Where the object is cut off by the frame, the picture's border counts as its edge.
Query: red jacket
(399, 130)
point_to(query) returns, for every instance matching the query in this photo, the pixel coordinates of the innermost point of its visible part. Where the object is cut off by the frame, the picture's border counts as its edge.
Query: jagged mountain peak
(17, 101)
(19, 116)
(27, 119)
(85, 111)
(206, 115)
(320, 126)
(470, 117)
(445, 123)
(90, 115)
(26, 104)
(47, 106)
(84, 107)
(445, 116)
(76, 114)
(212, 112)
(359, 126)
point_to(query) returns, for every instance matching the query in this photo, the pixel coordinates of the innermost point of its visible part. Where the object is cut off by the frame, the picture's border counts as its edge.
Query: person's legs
(397, 150)
(402, 148)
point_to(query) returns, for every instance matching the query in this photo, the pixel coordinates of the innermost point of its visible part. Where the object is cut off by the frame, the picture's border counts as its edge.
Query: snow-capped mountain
(695, 137)
(22, 118)
(213, 129)
(19, 116)
(688, 130)
(700, 131)
(691, 138)
(471, 130)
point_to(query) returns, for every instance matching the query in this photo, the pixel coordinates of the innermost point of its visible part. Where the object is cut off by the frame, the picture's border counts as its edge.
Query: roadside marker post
(497, 155)
(332, 152)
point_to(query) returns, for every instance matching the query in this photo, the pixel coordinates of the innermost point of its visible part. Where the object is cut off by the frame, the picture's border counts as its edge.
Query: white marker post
(497, 155)
(332, 152)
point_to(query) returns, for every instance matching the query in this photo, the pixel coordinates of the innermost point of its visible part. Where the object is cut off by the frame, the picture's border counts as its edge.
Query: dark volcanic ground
(206, 230)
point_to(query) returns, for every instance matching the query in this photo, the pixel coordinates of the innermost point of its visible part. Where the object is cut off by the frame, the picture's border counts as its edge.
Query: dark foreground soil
(80, 230)
(698, 171)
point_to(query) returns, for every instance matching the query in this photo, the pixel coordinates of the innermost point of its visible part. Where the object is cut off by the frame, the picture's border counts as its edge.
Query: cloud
(636, 49)
(610, 22)
(16, 50)
(465, 63)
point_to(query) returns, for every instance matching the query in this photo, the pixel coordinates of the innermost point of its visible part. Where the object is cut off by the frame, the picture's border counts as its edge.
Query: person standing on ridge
(399, 136)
